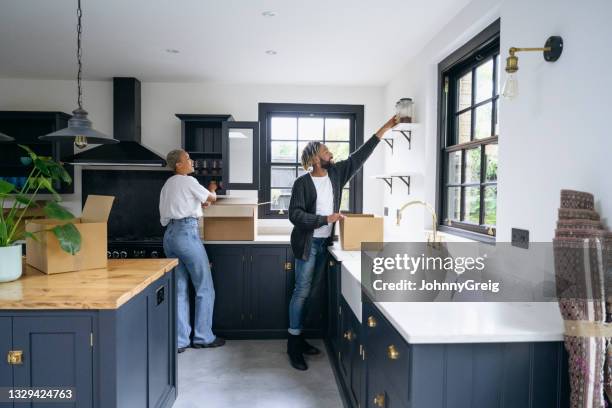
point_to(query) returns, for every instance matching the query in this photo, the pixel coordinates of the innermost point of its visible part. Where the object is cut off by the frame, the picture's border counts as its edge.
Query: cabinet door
(333, 306)
(228, 272)
(267, 283)
(240, 143)
(355, 357)
(344, 351)
(6, 343)
(56, 353)
(160, 350)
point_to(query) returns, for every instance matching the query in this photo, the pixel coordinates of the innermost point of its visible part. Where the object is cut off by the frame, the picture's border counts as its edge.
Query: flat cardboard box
(48, 256)
(230, 222)
(358, 228)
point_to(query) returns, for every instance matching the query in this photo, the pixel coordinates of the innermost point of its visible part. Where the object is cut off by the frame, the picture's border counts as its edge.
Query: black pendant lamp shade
(5, 138)
(79, 127)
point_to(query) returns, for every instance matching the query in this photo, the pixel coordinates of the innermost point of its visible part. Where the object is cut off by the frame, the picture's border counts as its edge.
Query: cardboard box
(358, 228)
(230, 222)
(47, 255)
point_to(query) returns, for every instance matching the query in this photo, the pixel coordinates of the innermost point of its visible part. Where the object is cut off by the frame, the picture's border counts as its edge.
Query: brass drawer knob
(371, 321)
(392, 352)
(349, 335)
(331, 263)
(379, 400)
(15, 357)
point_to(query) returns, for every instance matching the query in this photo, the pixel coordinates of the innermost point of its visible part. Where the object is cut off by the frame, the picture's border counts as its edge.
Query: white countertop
(455, 322)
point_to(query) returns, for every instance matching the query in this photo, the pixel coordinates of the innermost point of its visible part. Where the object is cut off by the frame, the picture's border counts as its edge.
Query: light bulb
(80, 142)
(511, 88)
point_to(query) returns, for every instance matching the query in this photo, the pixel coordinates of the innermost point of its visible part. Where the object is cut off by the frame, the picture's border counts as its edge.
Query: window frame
(355, 113)
(464, 60)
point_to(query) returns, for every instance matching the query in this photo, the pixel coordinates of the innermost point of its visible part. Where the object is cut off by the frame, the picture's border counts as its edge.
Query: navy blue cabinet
(6, 344)
(333, 304)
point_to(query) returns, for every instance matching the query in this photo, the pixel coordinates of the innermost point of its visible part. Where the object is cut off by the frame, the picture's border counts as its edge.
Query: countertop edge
(139, 288)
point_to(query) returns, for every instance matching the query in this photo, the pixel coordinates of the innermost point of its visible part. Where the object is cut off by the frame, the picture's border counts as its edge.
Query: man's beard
(326, 164)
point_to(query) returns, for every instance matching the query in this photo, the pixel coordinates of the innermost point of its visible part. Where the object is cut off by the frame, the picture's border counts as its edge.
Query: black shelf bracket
(389, 141)
(406, 181)
(408, 135)
(389, 181)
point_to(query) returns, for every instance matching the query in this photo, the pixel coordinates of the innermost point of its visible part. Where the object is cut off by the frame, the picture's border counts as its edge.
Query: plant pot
(10, 263)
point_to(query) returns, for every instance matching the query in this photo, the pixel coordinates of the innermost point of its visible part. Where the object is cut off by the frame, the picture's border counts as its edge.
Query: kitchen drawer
(379, 393)
(389, 350)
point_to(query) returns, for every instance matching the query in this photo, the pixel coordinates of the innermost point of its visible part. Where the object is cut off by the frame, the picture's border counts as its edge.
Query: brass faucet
(434, 218)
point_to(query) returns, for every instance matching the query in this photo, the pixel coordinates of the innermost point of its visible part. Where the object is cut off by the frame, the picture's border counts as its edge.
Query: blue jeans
(182, 241)
(308, 274)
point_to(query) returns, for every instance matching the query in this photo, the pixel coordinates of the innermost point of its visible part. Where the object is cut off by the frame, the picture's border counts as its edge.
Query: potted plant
(45, 171)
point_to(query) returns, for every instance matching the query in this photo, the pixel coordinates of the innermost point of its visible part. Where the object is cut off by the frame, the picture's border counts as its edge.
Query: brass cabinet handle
(331, 263)
(349, 335)
(371, 321)
(392, 352)
(288, 266)
(15, 357)
(379, 400)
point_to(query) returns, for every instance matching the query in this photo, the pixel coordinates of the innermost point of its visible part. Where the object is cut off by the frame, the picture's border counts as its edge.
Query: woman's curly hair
(309, 153)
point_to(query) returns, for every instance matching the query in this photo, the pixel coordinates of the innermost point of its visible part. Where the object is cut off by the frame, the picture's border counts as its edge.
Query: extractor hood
(126, 128)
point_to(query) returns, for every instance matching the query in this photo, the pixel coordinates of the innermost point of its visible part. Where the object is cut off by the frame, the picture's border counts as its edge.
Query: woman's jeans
(308, 274)
(182, 241)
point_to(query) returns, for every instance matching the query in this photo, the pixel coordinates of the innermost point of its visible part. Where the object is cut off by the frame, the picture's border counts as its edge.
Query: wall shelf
(404, 177)
(405, 129)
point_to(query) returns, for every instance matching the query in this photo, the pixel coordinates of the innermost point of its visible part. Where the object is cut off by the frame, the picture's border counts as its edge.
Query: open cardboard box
(230, 222)
(358, 228)
(47, 255)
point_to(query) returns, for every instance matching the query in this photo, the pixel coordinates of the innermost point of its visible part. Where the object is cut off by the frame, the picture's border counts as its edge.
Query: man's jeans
(308, 274)
(182, 241)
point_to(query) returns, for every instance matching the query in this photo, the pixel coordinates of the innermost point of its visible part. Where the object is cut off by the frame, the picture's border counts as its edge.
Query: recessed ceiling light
(269, 13)
(271, 52)
(172, 51)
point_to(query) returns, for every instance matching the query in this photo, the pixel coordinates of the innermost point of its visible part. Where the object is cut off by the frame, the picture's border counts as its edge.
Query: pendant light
(5, 138)
(79, 126)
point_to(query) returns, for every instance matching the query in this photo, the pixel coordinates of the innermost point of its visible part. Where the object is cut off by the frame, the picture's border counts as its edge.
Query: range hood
(126, 128)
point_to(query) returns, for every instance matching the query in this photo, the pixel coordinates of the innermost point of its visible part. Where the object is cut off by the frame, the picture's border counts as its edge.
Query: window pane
(340, 150)
(337, 129)
(464, 126)
(496, 115)
(472, 165)
(483, 121)
(282, 176)
(491, 165)
(345, 203)
(454, 167)
(464, 91)
(310, 128)
(283, 152)
(484, 81)
(453, 206)
(498, 62)
(283, 128)
(280, 199)
(472, 205)
(490, 205)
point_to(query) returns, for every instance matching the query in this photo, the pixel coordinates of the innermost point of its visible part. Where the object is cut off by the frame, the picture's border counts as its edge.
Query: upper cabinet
(25, 127)
(240, 145)
(224, 152)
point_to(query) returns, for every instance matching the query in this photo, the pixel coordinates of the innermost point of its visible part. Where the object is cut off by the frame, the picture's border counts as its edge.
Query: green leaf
(41, 164)
(31, 235)
(46, 183)
(33, 155)
(6, 187)
(69, 238)
(23, 199)
(56, 211)
(59, 173)
(3, 234)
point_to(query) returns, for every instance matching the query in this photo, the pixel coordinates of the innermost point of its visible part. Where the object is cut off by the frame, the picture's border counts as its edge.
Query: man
(180, 206)
(313, 210)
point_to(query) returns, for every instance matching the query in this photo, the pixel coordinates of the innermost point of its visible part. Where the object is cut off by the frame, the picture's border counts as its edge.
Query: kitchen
(158, 77)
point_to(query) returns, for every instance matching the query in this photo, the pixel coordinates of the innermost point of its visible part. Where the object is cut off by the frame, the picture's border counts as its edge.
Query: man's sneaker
(181, 349)
(217, 342)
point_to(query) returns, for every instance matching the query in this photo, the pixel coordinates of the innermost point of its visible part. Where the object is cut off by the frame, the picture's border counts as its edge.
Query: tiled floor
(254, 374)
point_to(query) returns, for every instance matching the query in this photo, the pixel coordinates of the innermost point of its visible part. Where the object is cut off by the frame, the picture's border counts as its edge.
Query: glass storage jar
(404, 109)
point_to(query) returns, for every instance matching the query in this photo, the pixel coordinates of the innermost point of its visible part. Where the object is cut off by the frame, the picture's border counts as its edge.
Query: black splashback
(135, 213)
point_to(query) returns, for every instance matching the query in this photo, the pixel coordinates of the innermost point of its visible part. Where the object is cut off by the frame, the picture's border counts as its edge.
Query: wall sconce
(552, 51)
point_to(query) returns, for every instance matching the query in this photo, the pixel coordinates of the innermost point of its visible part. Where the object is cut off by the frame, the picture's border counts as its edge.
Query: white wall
(160, 101)
(554, 135)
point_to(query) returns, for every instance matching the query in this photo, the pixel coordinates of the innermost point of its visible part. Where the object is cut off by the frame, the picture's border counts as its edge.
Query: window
(286, 129)
(469, 89)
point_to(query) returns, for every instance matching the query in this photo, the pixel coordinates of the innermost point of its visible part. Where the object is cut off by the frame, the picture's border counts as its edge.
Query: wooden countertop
(107, 288)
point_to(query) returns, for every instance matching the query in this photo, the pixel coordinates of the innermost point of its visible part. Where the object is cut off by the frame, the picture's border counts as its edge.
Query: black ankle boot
(295, 353)
(308, 348)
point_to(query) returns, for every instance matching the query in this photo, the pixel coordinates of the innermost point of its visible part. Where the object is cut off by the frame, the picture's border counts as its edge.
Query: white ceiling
(341, 42)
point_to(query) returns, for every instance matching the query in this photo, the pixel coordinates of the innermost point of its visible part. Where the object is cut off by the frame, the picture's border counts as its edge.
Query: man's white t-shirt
(325, 203)
(181, 197)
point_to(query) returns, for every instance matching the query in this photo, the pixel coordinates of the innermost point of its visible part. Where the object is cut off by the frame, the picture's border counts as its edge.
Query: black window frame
(267, 110)
(474, 53)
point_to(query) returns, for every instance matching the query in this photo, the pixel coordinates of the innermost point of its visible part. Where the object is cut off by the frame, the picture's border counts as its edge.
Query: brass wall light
(552, 51)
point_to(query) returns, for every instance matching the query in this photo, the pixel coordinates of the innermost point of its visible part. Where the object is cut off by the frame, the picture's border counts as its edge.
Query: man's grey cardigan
(303, 204)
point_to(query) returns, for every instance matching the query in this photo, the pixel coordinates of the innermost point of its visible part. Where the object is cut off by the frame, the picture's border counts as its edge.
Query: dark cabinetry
(25, 127)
